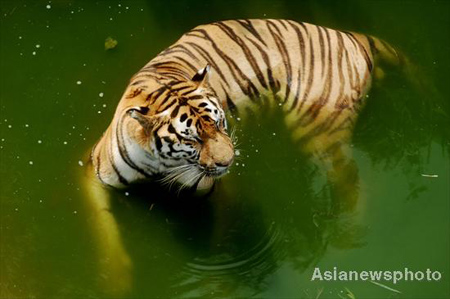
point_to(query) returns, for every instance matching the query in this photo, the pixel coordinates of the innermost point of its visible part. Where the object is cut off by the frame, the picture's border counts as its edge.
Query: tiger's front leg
(115, 266)
(343, 178)
(327, 142)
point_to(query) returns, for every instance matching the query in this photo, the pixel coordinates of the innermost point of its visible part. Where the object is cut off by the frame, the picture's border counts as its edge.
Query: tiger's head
(180, 131)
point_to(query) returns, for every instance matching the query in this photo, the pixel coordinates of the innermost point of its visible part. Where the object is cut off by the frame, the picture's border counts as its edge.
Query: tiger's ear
(139, 114)
(202, 76)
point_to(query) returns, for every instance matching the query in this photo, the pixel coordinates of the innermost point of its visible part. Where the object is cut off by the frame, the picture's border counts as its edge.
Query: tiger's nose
(224, 163)
(217, 154)
(214, 165)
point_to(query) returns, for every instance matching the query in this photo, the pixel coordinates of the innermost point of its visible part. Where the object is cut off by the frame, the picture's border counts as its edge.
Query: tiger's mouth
(215, 172)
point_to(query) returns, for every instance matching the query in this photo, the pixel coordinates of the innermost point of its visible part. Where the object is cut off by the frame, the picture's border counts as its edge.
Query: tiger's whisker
(188, 183)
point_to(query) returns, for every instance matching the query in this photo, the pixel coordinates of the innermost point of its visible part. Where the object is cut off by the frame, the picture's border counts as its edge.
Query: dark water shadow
(404, 117)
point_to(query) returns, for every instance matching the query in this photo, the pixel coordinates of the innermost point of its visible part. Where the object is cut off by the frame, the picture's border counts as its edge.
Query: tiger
(171, 122)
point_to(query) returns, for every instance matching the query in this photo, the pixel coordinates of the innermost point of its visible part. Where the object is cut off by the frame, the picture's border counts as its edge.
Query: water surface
(265, 227)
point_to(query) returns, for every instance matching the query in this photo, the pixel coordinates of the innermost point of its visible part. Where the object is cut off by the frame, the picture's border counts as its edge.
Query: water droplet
(31, 163)
(38, 46)
(48, 6)
(101, 94)
(39, 141)
(80, 163)
(126, 193)
(79, 82)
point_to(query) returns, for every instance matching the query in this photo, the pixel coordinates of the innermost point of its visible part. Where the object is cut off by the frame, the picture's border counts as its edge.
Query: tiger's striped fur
(171, 121)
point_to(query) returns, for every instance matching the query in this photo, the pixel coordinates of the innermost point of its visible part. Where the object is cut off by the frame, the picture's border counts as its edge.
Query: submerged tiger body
(171, 121)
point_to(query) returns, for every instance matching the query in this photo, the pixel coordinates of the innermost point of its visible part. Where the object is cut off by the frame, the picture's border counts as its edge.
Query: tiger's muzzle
(216, 155)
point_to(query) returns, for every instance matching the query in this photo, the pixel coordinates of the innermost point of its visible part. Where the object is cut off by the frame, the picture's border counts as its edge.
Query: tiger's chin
(208, 180)
(205, 184)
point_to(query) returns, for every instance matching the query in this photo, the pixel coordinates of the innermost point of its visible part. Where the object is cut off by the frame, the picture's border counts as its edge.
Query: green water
(262, 231)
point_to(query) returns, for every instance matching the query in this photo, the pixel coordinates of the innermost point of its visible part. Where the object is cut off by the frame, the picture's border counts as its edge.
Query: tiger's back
(318, 75)
(296, 61)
